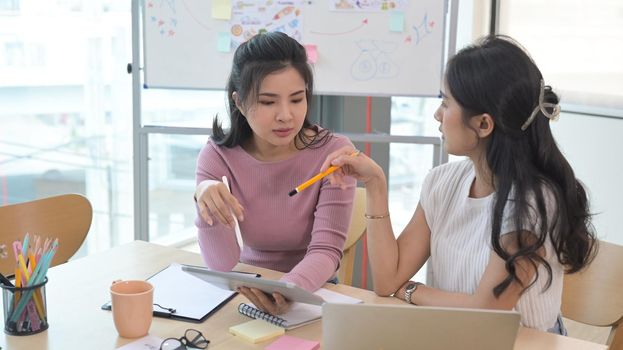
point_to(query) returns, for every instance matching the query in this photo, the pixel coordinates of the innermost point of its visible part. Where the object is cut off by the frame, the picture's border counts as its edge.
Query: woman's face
(279, 112)
(458, 138)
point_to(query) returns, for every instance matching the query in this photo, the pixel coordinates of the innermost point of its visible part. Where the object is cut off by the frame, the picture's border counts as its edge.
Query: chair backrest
(66, 217)
(594, 296)
(355, 231)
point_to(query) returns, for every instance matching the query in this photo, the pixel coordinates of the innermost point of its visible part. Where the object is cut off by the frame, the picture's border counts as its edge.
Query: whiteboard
(360, 46)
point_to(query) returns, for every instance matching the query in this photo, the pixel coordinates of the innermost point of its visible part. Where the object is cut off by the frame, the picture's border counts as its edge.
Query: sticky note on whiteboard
(312, 52)
(221, 9)
(224, 42)
(397, 21)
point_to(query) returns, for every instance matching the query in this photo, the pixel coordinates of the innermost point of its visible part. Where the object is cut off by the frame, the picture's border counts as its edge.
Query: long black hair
(498, 77)
(256, 58)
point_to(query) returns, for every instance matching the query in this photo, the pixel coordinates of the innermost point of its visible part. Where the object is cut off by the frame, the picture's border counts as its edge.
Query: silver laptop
(388, 327)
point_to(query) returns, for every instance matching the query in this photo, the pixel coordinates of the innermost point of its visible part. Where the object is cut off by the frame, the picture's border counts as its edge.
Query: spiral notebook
(299, 314)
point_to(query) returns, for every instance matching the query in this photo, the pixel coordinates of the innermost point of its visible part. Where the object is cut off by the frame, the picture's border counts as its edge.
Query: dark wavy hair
(262, 55)
(497, 76)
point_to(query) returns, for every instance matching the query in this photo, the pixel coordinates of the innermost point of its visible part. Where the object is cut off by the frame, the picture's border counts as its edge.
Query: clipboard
(233, 280)
(181, 296)
(157, 313)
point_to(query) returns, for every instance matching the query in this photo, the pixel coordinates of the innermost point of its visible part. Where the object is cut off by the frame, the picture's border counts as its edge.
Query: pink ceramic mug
(132, 307)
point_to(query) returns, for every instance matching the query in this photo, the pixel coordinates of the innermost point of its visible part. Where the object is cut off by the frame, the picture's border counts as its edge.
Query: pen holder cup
(25, 309)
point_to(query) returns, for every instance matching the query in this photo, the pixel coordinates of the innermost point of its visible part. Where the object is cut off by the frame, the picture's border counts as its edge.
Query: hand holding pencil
(350, 162)
(319, 176)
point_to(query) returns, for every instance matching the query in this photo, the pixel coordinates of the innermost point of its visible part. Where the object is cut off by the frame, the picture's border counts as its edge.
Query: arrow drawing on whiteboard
(195, 18)
(423, 29)
(361, 25)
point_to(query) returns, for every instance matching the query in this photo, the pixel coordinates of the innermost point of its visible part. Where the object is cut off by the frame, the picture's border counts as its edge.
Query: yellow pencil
(22, 264)
(318, 176)
(37, 297)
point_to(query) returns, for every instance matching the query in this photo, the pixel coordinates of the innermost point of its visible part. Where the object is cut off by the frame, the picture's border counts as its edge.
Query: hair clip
(542, 108)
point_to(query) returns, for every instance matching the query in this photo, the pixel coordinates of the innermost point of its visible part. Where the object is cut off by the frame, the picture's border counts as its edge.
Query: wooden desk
(77, 289)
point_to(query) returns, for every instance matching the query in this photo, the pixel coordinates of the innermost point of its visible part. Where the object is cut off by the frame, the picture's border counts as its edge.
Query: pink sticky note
(287, 342)
(312, 53)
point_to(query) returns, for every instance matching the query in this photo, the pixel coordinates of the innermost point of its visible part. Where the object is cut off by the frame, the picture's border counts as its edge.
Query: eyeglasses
(192, 338)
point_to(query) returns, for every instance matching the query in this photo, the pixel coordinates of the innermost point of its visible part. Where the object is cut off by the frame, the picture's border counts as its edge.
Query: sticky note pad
(224, 42)
(256, 331)
(221, 9)
(397, 21)
(287, 342)
(312, 53)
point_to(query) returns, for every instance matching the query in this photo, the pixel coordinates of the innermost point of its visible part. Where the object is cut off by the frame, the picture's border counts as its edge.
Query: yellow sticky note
(397, 21)
(312, 52)
(256, 331)
(221, 9)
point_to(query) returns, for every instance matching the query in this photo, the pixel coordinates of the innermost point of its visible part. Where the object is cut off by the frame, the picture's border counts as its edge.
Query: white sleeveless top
(460, 243)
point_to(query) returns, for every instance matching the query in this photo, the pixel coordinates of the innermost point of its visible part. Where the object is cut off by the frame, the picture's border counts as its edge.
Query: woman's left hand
(274, 304)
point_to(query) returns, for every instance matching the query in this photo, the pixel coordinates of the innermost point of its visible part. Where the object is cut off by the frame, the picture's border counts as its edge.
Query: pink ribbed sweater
(301, 235)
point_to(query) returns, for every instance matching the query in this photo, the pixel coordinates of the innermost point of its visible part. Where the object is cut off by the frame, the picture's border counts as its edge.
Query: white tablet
(233, 280)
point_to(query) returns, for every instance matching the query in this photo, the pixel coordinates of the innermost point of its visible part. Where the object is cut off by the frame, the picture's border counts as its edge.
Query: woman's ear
(236, 99)
(485, 125)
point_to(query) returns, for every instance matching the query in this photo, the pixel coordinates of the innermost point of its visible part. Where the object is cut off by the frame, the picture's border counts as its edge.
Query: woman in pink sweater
(271, 148)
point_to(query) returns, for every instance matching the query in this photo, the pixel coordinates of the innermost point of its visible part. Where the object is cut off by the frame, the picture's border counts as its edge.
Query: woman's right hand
(355, 164)
(215, 201)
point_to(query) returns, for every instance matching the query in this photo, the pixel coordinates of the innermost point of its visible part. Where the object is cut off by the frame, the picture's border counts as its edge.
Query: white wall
(593, 146)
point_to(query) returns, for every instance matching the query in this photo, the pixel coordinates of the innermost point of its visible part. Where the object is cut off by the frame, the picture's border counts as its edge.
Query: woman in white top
(500, 228)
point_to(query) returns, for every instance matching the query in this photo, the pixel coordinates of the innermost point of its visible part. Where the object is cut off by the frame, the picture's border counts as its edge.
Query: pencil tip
(292, 193)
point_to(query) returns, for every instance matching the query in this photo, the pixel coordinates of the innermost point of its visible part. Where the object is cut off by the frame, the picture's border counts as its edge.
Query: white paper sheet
(188, 295)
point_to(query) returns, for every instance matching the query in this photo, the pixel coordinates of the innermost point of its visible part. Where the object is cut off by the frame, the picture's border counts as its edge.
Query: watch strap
(409, 289)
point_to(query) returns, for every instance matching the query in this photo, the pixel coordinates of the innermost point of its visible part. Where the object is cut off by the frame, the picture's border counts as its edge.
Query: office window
(66, 109)
(579, 51)
(70, 5)
(172, 162)
(20, 54)
(9, 5)
(577, 44)
(409, 163)
(184, 108)
(172, 158)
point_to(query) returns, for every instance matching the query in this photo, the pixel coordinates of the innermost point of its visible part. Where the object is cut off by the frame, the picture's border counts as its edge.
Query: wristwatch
(409, 289)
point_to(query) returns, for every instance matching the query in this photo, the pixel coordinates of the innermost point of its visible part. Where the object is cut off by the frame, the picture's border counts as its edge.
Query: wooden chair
(594, 296)
(66, 217)
(355, 231)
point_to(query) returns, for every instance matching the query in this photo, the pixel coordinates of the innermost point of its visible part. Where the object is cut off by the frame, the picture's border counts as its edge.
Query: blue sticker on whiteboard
(224, 42)
(397, 21)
